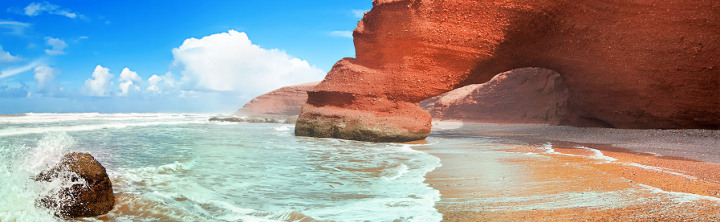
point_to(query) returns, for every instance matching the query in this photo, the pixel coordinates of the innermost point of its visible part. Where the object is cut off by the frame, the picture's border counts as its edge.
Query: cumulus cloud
(129, 82)
(45, 80)
(229, 62)
(161, 84)
(100, 84)
(6, 57)
(56, 46)
(344, 34)
(37, 8)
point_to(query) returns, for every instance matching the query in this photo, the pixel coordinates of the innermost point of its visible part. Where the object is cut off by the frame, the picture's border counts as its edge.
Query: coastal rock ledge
(285, 101)
(79, 187)
(626, 64)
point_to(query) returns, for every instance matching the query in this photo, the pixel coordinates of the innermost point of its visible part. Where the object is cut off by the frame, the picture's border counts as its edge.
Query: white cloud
(45, 79)
(78, 39)
(344, 34)
(37, 8)
(100, 84)
(57, 46)
(128, 75)
(17, 70)
(358, 13)
(154, 80)
(159, 84)
(230, 62)
(16, 28)
(129, 82)
(6, 57)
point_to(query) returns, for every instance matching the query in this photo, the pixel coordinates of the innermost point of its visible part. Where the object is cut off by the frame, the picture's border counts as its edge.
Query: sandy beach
(552, 173)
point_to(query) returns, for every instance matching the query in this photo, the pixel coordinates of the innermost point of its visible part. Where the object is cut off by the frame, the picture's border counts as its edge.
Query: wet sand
(550, 173)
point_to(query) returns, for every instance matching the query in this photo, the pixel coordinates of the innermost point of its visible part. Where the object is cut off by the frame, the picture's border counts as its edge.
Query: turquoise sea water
(180, 167)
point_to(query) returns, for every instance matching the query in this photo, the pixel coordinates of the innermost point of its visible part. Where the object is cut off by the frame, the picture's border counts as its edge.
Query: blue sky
(165, 56)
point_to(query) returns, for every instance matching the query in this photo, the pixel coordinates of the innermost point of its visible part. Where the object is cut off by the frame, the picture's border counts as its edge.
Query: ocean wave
(19, 165)
(40, 130)
(282, 128)
(252, 172)
(394, 172)
(67, 117)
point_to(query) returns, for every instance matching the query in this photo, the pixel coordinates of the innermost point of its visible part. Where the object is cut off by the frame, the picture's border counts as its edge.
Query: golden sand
(533, 183)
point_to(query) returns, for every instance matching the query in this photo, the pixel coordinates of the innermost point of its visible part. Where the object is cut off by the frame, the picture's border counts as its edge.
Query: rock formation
(525, 95)
(245, 119)
(84, 187)
(627, 64)
(285, 101)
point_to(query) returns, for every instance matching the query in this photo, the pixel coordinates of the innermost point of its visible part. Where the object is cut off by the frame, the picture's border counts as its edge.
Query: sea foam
(20, 165)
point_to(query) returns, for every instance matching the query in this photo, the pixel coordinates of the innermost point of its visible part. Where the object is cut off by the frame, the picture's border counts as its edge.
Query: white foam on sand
(598, 155)
(660, 169)
(680, 197)
(592, 199)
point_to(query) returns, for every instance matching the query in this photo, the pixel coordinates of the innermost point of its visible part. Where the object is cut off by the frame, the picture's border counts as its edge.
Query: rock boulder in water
(227, 119)
(85, 189)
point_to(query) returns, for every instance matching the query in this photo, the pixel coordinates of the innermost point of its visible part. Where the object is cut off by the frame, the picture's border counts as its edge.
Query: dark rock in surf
(86, 189)
(262, 120)
(228, 119)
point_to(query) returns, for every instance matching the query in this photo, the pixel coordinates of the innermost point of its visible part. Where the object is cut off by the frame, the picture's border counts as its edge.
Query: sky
(165, 56)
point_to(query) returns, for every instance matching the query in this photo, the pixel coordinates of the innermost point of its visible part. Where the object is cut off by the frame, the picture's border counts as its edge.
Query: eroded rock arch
(627, 64)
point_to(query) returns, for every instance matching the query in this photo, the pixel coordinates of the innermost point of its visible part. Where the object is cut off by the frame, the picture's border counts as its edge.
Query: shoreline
(689, 144)
(509, 172)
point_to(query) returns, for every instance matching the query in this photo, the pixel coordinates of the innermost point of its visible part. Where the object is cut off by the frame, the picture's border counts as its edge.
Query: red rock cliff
(627, 64)
(285, 101)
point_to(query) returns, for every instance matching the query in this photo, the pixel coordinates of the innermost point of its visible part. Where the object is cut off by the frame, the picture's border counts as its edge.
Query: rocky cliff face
(627, 64)
(526, 95)
(285, 101)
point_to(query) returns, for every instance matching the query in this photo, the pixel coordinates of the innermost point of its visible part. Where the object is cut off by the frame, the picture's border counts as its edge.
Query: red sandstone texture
(526, 95)
(627, 64)
(285, 101)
